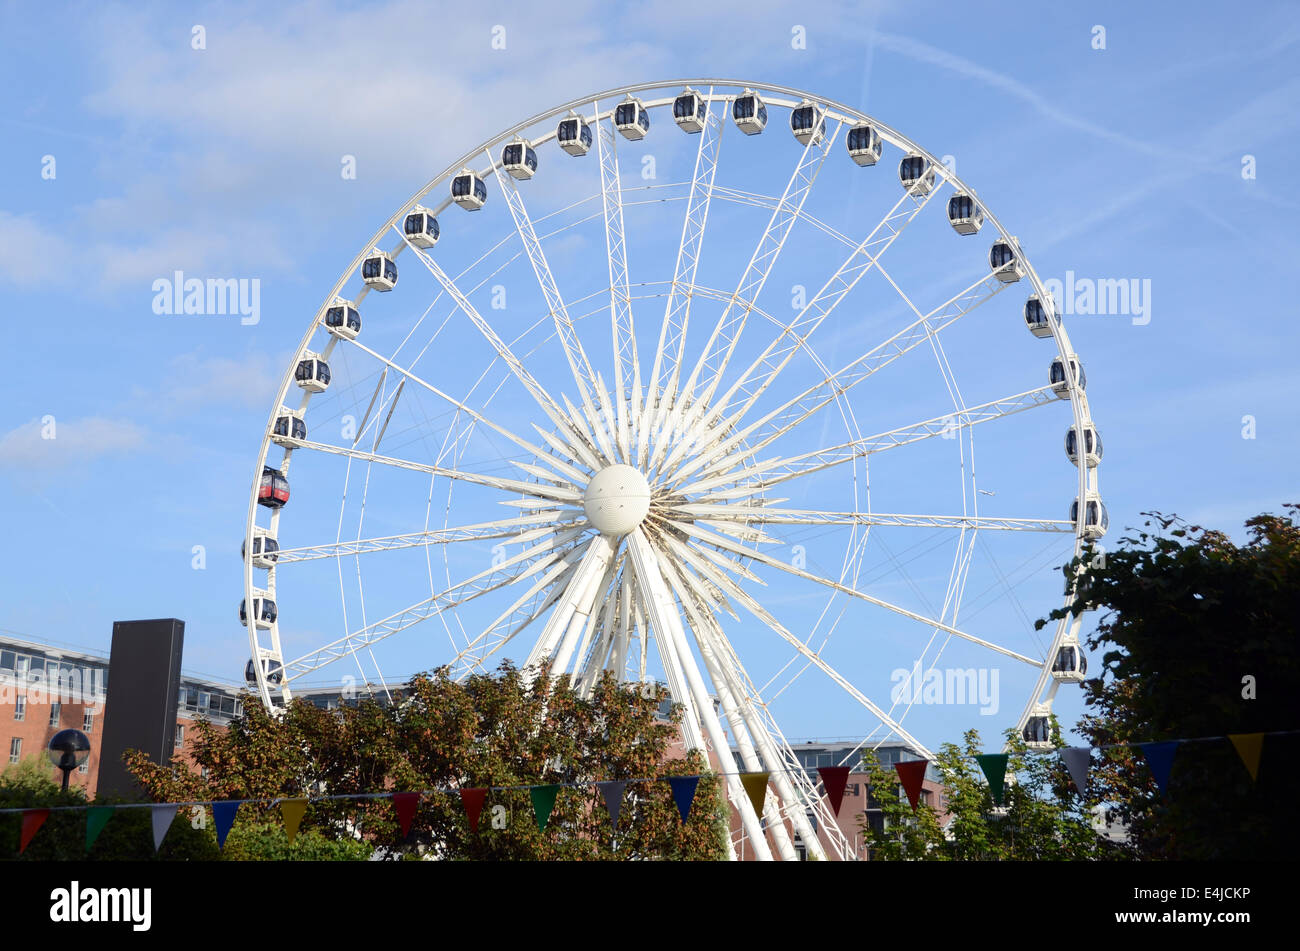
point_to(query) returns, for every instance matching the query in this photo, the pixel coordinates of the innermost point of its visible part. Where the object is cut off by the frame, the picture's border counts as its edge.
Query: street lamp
(68, 750)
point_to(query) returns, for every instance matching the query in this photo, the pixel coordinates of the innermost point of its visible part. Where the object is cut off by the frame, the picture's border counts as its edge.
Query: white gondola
(1056, 376)
(289, 431)
(750, 113)
(965, 214)
(271, 669)
(690, 110)
(1005, 262)
(808, 123)
(574, 135)
(343, 320)
(1037, 733)
(312, 373)
(379, 272)
(421, 227)
(264, 611)
(1091, 445)
(1036, 317)
(631, 119)
(1070, 665)
(469, 191)
(1097, 520)
(266, 550)
(519, 159)
(864, 144)
(916, 172)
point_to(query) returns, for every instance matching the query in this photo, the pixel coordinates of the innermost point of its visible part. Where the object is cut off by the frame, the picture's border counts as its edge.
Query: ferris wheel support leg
(665, 617)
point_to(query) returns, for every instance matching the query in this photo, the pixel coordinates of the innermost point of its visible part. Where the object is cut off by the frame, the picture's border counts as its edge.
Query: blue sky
(1117, 163)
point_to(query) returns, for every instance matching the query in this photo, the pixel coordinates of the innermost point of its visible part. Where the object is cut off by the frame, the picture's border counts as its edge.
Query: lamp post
(68, 750)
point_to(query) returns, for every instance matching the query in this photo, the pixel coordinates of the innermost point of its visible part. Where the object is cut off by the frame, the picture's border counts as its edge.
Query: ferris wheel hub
(616, 500)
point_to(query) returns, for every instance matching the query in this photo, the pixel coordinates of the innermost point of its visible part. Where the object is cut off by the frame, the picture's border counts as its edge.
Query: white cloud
(50, 443)
(30, 253)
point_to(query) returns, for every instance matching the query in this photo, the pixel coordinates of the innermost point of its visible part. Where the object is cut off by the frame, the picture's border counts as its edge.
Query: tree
(1202, 639)
(1041, 816)
(499, 731)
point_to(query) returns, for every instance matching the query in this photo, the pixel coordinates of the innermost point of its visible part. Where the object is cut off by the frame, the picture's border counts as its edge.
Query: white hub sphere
(616, 500)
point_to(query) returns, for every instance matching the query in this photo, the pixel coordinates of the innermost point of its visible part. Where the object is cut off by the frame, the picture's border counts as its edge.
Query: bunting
(292, 811)
(1076, 760)
(613, 793)
(33, 819)
(1160, 759)
(756, 788)
(223, 817)
(834, 779)
(683, 788)
(994, 766)
(543, 802)
(1249, 746)
(405, 804)
(96, 818)
(472, 800)
(162, 821)
(910, 774)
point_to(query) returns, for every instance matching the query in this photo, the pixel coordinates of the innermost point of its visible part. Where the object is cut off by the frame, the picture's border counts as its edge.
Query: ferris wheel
(636, 414)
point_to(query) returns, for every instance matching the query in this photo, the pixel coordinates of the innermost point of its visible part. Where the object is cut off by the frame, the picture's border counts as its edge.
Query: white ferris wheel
(675, 403)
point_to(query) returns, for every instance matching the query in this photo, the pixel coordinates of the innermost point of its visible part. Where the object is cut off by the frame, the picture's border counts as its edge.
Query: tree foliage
(1041, 817)
(1201, 639)
(495, 731)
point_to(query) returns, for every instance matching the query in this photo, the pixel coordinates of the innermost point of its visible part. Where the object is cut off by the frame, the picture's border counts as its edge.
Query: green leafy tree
(1201, 638)
(489, 731)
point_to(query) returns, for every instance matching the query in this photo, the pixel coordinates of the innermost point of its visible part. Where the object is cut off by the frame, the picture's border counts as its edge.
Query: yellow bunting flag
(756, 788)
(1249, 746)
(292, 810)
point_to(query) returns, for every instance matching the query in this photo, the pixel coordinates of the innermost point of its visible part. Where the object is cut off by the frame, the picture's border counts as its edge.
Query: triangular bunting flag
(994, 766)
(910, 774)
(1160, 759)
(96, 818)
(405, 803)
(33, 819)
(163, 815)
(292, 811)
(756, 788)
(1249, 746)
(684, 793)
(543, 802)
(223, 817)
(613, 793)
(1076, 760)
(472, 800)
(834, 779)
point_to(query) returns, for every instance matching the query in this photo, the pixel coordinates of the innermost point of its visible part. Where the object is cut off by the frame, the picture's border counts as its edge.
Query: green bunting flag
(1249, 746)
(995, 771)
(96, 818)
(33, 819)
(292, 811)
(756, 788)
(543, 802)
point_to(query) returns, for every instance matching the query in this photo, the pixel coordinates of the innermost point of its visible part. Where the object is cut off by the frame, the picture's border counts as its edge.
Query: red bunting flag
(472, 800)
(33, 819)
(834, 779)
(405, 804)
(910, 775)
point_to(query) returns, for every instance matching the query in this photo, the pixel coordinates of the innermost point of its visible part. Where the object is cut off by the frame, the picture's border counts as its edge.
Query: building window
(55, 709)
(20, 708)
(87, 722)
(180, 735)
(84, 767)
(15, 749)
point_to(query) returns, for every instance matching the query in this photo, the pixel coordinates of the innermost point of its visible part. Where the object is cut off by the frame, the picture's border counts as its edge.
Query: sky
(1116, 142)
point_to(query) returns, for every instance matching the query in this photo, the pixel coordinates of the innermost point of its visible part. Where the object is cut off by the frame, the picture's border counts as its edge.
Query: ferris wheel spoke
(773, 472)
(769, 515)
(627, 365)
(796, 411)
(665, 375)
(717, 352)
(574, 606)
(543, 521)
(552, 492)
(581, 444)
